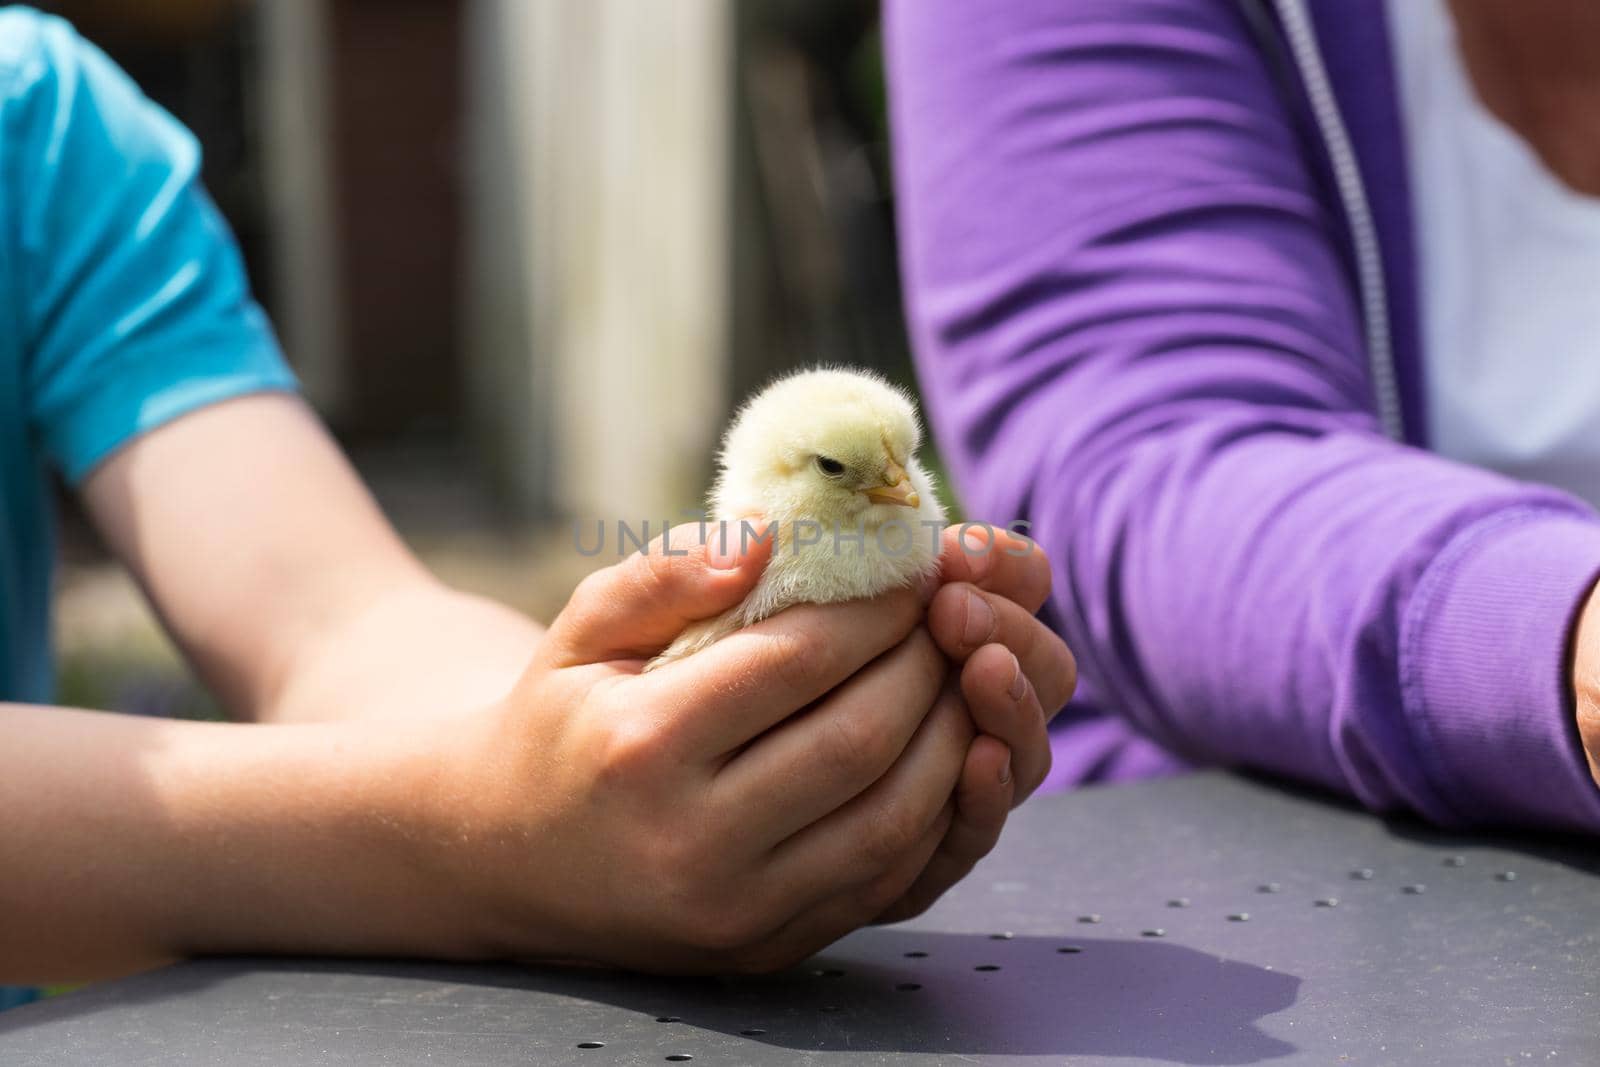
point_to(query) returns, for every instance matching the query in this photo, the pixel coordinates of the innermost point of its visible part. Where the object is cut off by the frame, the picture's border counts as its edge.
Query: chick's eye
(831, 467)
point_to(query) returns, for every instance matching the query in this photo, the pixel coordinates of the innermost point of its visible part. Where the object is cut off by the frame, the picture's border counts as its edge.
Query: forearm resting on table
(126, 842)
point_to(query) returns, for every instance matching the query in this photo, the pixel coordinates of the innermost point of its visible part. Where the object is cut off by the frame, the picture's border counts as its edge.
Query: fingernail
(1005, 772)
(729, 541)
(978, 552)
(725, 544)
(722, 548)
(1019, 683)
(980, 621)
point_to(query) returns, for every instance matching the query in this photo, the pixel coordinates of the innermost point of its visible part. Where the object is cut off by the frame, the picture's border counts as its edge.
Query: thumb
(635, 608)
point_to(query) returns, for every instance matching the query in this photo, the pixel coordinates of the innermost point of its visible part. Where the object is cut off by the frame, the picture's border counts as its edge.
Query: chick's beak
(896, 488)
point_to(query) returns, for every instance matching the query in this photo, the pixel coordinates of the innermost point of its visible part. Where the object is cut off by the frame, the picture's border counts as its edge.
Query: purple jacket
(1159, 271)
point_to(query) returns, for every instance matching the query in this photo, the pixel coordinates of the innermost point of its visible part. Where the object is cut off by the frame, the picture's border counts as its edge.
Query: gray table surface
(1208, 919)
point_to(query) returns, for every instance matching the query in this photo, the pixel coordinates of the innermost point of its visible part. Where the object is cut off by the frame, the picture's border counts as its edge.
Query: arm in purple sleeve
(1135, 332)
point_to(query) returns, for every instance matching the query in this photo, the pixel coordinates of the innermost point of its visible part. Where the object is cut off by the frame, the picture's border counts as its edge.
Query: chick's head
(834, 446)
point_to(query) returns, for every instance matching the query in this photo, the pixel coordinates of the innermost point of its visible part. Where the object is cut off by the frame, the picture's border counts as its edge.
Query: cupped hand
(734, 811)
(1015, 675)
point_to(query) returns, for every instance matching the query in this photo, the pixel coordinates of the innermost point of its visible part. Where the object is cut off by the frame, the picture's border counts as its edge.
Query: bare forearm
(125, 842)
(274, 570)
(418, 650)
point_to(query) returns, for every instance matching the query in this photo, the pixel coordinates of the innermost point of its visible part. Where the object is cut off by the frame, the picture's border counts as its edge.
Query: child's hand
(689, 819)
(744, 807)
(1015, 675)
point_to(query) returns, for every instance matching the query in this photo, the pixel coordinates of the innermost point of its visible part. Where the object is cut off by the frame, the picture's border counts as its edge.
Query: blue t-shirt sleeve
(128, 287)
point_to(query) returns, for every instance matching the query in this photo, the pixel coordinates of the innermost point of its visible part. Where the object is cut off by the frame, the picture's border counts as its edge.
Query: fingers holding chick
(1005, 706)
(848, 909)
(984, 796)
(1016, 673)
(751, 680)
(632, 609)
(964, 618)
(869, 839)
(834, 751)
(997, 561)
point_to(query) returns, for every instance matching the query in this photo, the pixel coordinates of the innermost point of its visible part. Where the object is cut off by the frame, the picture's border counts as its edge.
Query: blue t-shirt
(123, 303)
(123, 300)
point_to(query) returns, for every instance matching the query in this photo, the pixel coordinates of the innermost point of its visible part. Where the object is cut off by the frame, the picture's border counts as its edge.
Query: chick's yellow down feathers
(828, 457)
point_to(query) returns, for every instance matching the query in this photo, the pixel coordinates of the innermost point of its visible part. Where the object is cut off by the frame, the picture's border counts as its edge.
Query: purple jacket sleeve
(1135, 331)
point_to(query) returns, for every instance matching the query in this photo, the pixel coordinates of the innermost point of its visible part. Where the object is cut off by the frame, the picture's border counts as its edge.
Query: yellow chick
(829, 458)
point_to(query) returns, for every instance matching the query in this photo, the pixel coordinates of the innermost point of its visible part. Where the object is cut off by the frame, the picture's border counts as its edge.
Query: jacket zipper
(1298, 27)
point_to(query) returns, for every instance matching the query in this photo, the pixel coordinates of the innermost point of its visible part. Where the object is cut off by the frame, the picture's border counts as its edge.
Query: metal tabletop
(1207, 919)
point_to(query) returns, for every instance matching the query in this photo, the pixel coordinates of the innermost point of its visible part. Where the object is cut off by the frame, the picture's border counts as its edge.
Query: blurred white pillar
(295, 105)
(599, 231)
